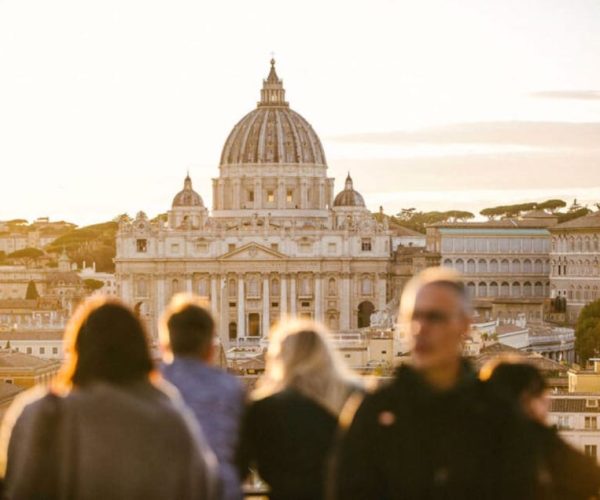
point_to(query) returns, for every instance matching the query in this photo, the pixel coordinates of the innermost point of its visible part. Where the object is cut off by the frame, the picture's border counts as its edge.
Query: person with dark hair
(564, 473)
(108, 427)
(434, 431)
(187, 335)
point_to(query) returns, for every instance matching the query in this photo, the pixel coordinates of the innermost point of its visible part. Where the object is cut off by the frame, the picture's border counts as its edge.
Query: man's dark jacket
(409, 442)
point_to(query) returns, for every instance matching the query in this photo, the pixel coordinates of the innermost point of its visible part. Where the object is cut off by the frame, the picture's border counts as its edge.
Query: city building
(109, 282)
(584, 379)
(576, 418)
(24, 370)
(502, 260)
(575, 264)
(279, 241)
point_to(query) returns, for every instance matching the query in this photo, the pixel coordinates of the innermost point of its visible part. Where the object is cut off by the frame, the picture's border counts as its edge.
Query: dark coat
(287, 437)
(410, 442)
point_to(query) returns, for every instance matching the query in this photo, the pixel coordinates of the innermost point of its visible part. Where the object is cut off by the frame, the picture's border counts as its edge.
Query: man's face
(437, 327)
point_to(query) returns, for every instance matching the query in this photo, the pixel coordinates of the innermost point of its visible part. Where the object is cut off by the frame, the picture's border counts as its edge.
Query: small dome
(349, 197)
(187, 197)
(273, 133)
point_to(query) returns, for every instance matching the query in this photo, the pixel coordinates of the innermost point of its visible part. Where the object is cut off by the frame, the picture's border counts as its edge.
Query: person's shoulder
(27, 404)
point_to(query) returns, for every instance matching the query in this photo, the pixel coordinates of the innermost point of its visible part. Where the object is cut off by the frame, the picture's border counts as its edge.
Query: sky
(433, 104)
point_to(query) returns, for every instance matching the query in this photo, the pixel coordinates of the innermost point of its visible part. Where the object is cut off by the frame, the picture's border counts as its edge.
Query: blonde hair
(302, 357)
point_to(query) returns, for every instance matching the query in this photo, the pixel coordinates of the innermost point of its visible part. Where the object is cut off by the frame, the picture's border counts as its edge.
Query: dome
(187, 197)
(273, 133)
(349, 197)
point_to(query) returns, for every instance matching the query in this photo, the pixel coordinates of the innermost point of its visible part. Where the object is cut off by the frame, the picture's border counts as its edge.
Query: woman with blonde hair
(289, 428)
(108, 428)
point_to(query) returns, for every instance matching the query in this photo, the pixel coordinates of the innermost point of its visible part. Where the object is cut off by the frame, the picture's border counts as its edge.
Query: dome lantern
(272, 93)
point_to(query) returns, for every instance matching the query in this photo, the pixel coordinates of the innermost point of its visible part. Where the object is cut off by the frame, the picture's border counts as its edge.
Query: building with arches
(505, 263)
(575, 264)
(278, 241)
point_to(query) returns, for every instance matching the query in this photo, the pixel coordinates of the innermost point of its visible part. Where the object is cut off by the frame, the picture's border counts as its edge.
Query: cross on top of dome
(272, 93)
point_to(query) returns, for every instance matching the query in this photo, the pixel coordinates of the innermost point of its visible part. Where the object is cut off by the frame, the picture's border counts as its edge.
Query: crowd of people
(117, 425)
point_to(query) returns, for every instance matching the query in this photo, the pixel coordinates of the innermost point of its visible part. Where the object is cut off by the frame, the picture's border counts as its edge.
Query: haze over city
(433, 104)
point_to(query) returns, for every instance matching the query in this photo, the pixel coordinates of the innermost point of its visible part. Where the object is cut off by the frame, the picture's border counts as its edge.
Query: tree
(552, 205)
(26, 255)
(31, 293)
(92, 284)
(587, 331)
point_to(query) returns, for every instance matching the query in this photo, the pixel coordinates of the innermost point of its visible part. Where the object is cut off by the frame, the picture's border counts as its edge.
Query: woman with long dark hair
(108, 427)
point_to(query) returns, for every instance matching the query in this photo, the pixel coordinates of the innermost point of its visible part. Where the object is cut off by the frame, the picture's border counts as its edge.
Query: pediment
(253, 251)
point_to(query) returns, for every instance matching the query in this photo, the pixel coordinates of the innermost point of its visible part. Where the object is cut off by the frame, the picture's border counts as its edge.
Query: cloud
(585, 95)
(546, 135)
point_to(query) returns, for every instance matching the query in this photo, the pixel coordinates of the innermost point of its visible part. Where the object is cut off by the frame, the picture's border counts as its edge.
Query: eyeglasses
(432, 317)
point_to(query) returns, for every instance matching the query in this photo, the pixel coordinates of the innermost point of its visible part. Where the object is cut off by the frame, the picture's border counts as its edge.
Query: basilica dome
(273, 133)
(187, 197)
(349, 197)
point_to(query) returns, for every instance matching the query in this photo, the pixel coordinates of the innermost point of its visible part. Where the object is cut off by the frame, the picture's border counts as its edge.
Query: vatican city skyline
(445, 123)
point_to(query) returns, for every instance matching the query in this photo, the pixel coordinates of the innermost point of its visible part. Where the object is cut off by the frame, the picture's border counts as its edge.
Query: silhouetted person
(106, 431)
(434, 432)
(564, 473)
(289, 428)
(187, 335)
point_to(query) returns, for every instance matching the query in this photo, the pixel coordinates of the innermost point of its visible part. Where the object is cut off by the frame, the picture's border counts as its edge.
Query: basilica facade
(278, 241)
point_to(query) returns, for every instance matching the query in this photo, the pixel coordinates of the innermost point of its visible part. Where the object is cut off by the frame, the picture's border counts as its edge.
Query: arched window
(504, 289)
(538, 267)
(482, 266)
(493, 266)
(471, 289)
(366, 285)
(527, 289)
(538, 289)
(447, 263)
(305, 287)
(203, 287)
(516, 289)
(365, 309)
(253, 290)
(175, 286)
(470, 266)
(232, 290)
(516, 266)
(460, 265)
(504, 266)
(482, 289)
(493, 289)
(527, 266)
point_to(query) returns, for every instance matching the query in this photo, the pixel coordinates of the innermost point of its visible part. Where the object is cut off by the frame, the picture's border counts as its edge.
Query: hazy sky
(104, 105)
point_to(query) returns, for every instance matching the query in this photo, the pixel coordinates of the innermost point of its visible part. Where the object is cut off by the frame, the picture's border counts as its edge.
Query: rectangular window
(275, 246)
(42, 350)
(591, 423)
(231, 247)
(232, 304)
(175, 247)
(55, 350)
(305, 304)
(141, 245)
(591, 450)
(331, 248)
(251, 195)
(270, 196)
(29, 350)
(274, 304)
(289, 196)
(366, 245)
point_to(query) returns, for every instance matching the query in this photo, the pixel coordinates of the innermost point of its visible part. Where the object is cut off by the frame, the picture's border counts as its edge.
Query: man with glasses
(436, 431)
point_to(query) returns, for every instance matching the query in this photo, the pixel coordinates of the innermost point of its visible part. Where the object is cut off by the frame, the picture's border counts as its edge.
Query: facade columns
(293, 299)
(345, 303)
(281, 194)
(266, 319)
(237, 193)
(283, 298)
(381, 291)
(241, 310)
(221, 199)
(224, 310)
(213, 295)
(318, 297)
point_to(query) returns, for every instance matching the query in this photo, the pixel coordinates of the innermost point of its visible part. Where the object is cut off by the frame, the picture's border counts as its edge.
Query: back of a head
(106, 342)
(187, 327)
(513, 378)
(301, 357)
